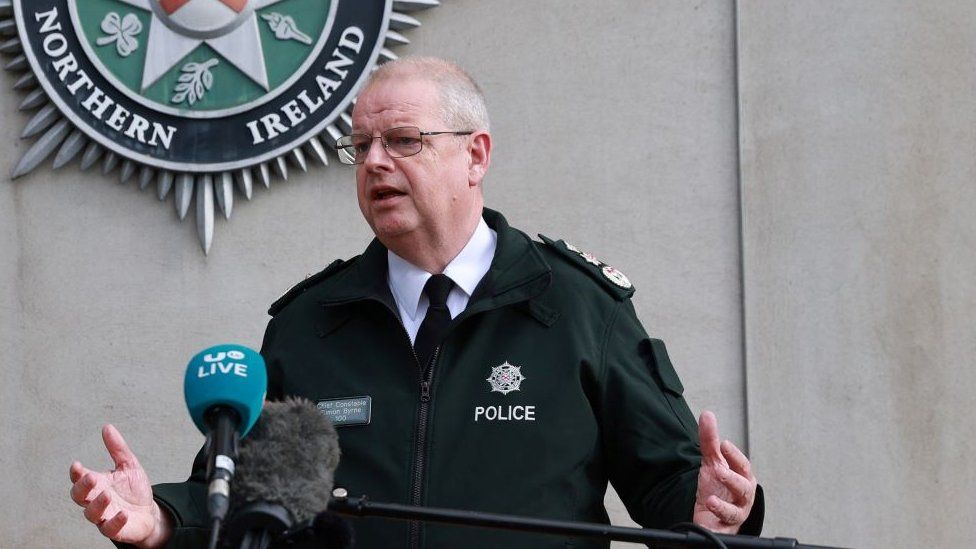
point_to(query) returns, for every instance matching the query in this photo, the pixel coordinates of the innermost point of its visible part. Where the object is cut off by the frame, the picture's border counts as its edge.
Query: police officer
(464, 364)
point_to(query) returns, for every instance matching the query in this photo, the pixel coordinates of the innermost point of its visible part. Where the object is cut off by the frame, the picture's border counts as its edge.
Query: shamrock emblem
(122, 31)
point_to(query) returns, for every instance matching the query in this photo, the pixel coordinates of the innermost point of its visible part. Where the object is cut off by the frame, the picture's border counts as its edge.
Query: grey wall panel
(614, 129)
(858, 166)
(12, 365)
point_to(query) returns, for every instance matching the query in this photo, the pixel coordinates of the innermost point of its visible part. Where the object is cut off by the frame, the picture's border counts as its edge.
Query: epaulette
(608, 277)
(299, 288)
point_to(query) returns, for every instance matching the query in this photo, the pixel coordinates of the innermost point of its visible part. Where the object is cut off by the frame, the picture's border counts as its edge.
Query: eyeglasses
(398, 142)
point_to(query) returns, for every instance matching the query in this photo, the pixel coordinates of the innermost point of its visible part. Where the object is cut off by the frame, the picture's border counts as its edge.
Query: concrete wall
(616, 127)
(13, 424)
(860, 282)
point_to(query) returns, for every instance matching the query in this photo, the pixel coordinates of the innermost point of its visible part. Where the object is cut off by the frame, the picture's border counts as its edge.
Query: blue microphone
(224, 389)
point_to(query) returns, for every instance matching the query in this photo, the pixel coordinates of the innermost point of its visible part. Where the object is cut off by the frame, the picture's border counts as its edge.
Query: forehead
(397, 102)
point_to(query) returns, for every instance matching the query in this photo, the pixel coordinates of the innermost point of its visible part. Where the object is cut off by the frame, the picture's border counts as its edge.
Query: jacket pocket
(670, 384)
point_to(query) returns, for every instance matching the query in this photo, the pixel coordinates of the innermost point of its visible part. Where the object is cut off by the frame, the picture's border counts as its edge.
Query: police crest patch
(505, 378)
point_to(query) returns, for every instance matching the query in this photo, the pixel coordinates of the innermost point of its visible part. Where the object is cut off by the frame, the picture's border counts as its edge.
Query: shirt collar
(466, 269)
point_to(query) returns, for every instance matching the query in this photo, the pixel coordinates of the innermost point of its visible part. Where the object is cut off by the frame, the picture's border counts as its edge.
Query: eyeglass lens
(399, 142)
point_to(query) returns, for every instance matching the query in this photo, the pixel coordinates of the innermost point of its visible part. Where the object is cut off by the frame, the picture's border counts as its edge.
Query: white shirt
(466, 270)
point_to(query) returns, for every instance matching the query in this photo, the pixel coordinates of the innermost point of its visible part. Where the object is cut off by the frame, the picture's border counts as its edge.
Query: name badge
(347, 411)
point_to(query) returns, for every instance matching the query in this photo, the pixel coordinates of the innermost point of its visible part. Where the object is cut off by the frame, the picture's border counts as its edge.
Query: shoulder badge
(609, 277)
(299, 288)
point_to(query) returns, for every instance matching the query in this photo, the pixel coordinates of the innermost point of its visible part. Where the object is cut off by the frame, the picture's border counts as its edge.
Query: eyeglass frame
(386, 146)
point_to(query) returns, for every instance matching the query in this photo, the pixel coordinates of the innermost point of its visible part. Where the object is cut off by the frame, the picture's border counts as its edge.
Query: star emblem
(178, 27)
(505, 378)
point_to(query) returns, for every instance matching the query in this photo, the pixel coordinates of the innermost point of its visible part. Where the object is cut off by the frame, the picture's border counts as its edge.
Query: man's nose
(377, 157)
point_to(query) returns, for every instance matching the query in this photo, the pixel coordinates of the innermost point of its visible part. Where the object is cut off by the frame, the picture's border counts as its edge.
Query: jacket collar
(518, 272)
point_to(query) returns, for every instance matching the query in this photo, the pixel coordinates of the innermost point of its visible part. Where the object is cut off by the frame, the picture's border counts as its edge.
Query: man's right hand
(120, 502)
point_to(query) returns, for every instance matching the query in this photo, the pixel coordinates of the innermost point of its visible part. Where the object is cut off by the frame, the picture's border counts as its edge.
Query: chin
(390, 228)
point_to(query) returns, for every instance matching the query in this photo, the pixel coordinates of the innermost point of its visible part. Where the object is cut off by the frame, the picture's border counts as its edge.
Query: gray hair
(462, 102)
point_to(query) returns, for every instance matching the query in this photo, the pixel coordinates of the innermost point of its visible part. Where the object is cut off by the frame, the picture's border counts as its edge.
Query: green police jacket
(545, 387)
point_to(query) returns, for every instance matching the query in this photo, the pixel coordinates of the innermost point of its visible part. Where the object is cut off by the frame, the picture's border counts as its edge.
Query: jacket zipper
(420, 454)
(423, 414)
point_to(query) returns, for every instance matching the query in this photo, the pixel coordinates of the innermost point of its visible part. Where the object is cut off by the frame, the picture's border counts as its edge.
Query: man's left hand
(726, 485)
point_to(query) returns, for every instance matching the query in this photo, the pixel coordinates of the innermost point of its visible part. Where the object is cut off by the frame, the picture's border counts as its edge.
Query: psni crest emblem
(505, 378)
(200, 97)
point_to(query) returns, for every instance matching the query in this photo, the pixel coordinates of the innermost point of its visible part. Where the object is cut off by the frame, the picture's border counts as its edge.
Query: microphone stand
(256, 525)
(342, 504)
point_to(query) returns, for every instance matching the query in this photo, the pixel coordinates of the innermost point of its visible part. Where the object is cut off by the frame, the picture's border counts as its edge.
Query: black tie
(438, 317)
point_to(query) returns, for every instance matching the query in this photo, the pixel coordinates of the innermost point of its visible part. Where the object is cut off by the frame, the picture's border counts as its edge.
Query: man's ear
(479, 153)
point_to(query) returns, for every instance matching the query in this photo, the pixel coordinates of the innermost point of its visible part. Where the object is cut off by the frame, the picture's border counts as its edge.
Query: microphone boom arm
(362, 507)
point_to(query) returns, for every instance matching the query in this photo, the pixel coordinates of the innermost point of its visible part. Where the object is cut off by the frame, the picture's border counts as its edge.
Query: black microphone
(285, 472)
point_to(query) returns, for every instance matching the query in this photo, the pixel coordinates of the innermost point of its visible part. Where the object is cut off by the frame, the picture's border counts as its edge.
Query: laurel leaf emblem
(122, 31)
(195, 80)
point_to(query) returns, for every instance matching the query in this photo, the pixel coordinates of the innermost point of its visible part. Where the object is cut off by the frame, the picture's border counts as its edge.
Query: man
(520, 382)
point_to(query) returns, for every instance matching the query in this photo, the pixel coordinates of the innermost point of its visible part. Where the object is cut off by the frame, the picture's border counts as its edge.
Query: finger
(95, 510)
(117, 448)
(737, 460)
(708, 437)
(76, 471)
(740, 487)
(82, 491)
(111, 527)
(726, 512)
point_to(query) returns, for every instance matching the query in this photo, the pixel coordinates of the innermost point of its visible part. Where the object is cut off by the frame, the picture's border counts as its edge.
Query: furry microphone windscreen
(289, 458)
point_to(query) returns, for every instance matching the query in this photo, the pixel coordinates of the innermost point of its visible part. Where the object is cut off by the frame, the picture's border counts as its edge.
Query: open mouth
(386, 194)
